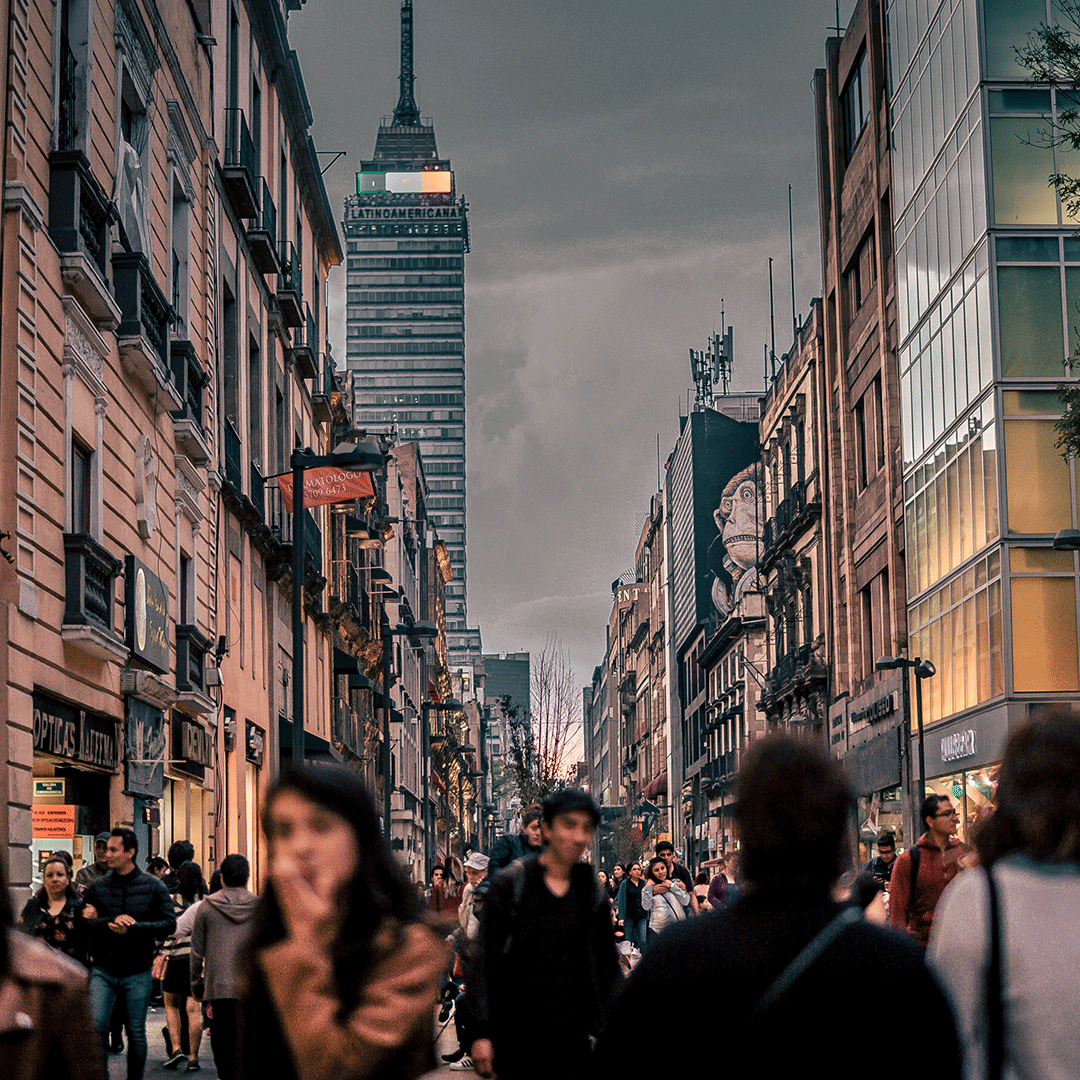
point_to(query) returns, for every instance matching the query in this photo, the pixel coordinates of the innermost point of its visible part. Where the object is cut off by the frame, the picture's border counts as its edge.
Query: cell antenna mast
(791, 254)
(407, 114)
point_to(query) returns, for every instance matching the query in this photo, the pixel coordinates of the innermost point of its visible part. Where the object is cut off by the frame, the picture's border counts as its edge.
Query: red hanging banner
(327, 485)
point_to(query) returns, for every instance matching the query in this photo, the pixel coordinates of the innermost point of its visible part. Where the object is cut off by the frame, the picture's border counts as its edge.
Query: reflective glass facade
(988, 308)
(405, 326)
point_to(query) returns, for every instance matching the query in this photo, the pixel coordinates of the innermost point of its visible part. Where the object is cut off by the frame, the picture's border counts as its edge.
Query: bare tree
(541, 739)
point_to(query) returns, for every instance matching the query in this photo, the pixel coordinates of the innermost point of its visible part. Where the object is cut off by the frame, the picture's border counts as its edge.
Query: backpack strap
(916, 857)
(995, 1005)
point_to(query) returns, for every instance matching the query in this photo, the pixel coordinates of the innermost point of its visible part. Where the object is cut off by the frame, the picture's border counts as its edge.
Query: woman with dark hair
(628, 907)
(618, 876)
(664, 900)
(1020, 1015)
(341, 972)
(52, 913)
(176, 986)
(45, 1026)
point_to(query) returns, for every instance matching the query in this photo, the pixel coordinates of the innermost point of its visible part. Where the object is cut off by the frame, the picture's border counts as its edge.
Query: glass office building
(407, 234)
(988, 310)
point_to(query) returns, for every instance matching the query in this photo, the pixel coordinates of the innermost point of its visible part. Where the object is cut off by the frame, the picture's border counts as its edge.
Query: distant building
(507, 675)
(407, 235)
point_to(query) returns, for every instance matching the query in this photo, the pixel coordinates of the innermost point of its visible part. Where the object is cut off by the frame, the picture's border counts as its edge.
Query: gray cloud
(626, 164)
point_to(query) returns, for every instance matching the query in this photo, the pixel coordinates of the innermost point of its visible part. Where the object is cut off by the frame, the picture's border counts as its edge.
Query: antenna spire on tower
(406, 114)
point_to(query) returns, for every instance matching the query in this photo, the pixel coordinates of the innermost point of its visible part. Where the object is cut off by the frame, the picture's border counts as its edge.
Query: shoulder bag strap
(916, 858)
(995, 1006)
(813, 951)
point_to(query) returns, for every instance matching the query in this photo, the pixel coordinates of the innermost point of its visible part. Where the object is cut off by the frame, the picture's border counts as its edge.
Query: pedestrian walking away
(341, 970)
(1006, 936)
(46, 1031)
(921, 873)
(218, 933)
(546, 944)
(785, 961)
(183, 1012)
(128, 911)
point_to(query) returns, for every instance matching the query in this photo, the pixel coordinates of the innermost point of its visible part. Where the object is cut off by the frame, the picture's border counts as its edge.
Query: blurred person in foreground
(45, 1028)
(785, 960)
(341, 974)
(1020, 1017)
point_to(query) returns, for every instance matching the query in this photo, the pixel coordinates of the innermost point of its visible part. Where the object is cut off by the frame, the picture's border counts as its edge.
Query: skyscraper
(407, 234)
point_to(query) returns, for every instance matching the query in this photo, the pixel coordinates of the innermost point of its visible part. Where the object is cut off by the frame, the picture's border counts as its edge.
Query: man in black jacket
(513, 846)
(546, 947)
(129, 911)
(784, 961)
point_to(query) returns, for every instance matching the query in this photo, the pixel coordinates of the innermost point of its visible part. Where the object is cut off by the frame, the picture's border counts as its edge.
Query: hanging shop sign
(147, 614)
(193, 746)
(145, 750)
(256, 742)
(326, 485)
(65, 731)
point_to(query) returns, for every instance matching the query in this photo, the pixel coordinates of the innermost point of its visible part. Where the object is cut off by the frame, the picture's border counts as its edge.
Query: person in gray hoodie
(219, 933)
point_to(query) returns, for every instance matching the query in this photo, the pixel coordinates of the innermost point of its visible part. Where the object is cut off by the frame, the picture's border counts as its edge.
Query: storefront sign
(53, 822)
(65, 731)
(326, 485)
(147, 614)
(256, 740)
(50, 789)
(880, 709)
(145, 750)
(193, 746)
(959, 745)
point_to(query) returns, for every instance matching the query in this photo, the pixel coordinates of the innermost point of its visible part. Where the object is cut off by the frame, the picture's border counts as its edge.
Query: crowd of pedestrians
(341, 970)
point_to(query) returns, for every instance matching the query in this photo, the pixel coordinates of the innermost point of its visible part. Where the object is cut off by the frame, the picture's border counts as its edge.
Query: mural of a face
(739, 517)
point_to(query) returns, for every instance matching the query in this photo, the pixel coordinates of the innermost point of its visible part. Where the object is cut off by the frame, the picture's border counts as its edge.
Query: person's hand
(483, 1058)
(306, 906)
(89, 912)
(118, 927)
(124, 920)
(660, 887)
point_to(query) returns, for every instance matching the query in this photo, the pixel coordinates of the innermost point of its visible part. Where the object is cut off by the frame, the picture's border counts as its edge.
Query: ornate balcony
(191, 650)
(305, 349)
(792, 518)
(190, 380)
(262, 234)
(79, 218)
(322, 395)
(143, 333)
(241, 170)
(289, 292)
(90, 574)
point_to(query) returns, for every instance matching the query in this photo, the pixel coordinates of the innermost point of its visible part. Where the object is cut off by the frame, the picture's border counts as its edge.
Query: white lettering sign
(959, 745)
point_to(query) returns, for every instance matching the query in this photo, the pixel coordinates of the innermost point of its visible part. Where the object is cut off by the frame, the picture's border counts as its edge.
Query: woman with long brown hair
(342, 972)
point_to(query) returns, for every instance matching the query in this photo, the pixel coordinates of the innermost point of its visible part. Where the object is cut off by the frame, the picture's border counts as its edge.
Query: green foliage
(1068, 427)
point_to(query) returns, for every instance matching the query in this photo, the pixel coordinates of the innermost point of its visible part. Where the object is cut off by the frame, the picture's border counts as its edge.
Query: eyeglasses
(946, 813)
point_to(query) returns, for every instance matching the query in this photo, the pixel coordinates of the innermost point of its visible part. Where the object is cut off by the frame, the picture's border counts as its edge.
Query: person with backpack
(921, 873)
(546, 944)
(785, 963)
(1006, 936)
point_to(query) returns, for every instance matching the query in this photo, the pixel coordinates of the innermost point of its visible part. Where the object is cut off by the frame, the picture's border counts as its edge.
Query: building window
(71, 78)
(1043, 621)
(82, 472)
(180, 240)
(186, 589)
(133, 164)
(855, 104)
(861, 472)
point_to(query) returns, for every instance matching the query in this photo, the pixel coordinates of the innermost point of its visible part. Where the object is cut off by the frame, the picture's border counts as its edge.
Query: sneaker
(445, 1010)
(194, 1066)
(457, 1055)
(175, 1060)
(464, 1064)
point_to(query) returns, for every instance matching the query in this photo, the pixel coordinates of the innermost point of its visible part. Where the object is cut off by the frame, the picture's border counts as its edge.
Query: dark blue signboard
(144, 750)
(146, 614)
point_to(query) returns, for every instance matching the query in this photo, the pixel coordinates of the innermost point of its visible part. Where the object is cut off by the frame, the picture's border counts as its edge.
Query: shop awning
(655, 787)
(315, 749)
(345, 663)
(360, 681)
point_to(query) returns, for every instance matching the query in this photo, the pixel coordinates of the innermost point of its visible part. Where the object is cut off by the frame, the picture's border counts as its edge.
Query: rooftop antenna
(791, 252)
(701, 367)
(406, 114)
(658, 485)
(722, 352)
(772, 320)
(838, 28)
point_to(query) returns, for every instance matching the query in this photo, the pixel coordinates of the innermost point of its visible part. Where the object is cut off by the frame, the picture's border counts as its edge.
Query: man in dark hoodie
(128, 912)
(513, 846)
(219, 933)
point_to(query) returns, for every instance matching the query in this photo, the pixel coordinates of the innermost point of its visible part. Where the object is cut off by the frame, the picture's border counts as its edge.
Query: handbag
(157, 968)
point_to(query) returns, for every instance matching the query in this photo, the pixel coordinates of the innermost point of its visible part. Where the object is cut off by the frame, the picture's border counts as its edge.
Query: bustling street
(539, 540)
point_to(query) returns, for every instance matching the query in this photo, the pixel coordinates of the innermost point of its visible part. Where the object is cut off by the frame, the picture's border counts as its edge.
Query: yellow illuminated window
(1044, 634)
(1038, 478)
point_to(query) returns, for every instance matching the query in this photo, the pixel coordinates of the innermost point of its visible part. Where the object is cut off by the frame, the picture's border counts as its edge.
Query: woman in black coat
(53, 913)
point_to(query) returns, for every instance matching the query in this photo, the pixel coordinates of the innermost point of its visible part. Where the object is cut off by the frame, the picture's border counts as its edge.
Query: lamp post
(419, 629)
(352, 458)
(450, 705)
(923, 669)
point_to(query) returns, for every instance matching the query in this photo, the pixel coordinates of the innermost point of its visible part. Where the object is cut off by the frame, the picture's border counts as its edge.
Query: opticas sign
(426, 182)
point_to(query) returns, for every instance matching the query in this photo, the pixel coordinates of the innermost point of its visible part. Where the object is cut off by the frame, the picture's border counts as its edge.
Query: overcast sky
(626, 163)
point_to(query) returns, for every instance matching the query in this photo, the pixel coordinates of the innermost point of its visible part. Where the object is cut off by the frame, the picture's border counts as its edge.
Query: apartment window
(70, 86)
(82, 465)
(179, 264)
(879, 423)
(186, 589)
(861, 470)
(855, 104)
(133, 163)
(861, 276)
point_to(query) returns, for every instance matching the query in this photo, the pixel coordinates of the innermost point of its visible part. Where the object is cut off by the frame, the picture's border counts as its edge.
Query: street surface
(155, 1023)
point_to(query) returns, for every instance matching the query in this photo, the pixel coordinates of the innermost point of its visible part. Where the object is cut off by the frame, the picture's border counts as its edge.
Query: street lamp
(1067, 540)
(351, 457)
(422, 628)
(450, 705)
(923, 669)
